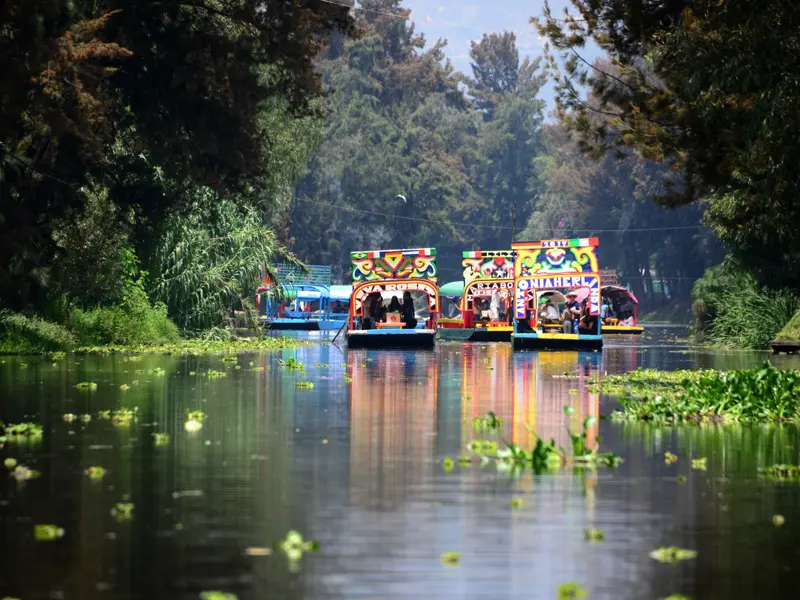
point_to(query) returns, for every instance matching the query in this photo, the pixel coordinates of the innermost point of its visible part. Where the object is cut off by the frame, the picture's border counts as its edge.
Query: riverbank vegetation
(763, 395)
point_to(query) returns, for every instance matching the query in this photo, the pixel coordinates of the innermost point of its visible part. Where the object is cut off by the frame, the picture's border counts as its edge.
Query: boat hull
(394, 339)
(622, 330)
(302, 325)
(479, 334)
(556, 341)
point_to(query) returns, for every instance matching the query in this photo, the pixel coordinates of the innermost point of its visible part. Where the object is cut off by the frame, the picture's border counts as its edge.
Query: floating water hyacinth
(699, 464)
(346, 378)
(22, 473)
(213, 374)
(781, 472)
(293, 546)
(672, 554)
(670, 458)
(594, 535)
(158, 372)
(304, 385)
(448, 464)
(132, 359)
(96, 473)
(567, 591)
(291, 364)
(778, 520)
(517, 503)
(85, 418)
(161, 439)
(19, 430)
(124, 387)
(10, 463)
(57, 355)
(489, 422)
(677, 597)
(122, 511)
(47, 533)
(104, 415)
(194, 420)
(68, 418)
(451, 559)
(192, 373)
(230, 359)
(87, 386)
(216, 595)
(124, 416)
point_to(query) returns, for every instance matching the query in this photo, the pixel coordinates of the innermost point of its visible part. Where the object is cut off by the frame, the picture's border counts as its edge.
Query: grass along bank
(762, 395)
(791, 332)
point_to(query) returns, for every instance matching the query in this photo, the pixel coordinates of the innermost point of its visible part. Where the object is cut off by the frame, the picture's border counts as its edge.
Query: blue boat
(540, 270)
(302, 300)
(380, 276)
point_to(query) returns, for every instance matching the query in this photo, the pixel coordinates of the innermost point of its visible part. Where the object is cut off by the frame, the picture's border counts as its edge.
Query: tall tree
(709, 89)
(495, 69)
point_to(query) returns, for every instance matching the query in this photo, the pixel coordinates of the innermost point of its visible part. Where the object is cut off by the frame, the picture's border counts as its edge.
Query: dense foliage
(707, 88)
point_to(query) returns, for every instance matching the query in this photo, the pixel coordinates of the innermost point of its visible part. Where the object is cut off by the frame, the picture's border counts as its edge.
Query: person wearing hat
(548, 313)
(571, 314)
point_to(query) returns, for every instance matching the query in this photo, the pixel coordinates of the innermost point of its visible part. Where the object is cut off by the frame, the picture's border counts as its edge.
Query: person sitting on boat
(548, 313)
(394, 306)
(409, 315)
(571, 314)
(626, 310)
(494, 306)
(587, 322)
(605, 311)
(476, 310)
(378, 312)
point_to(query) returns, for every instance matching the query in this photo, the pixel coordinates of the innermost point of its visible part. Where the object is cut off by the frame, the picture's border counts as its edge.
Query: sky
(460, 22)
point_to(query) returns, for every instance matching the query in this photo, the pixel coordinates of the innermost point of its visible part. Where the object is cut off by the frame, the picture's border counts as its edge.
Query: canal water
(355, 463)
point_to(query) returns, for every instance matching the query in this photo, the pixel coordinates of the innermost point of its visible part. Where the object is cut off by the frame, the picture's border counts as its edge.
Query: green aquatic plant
(292, 364)
(104, 415)
(158, 372)
(96, 473)
(677, 597)
(451, 559)
(161, 439)
(681, 479)
(347, 379)
(699, 464)
(15, 431)
(194, 420)
(131, 359)
(230, 359)
(781, 472)
(124, 416)
(594, 535)
(87, 386)
(122, 511)
(57, 355)
(778, 520)
(199, 347)
(448, 464)
(488, 423)
(765, 394)
(213, 374)
(517, 503)
(216, 595)
(568, 591)
(47, 533)
(85, 418)
(304, 385)
(10, 463)
(192, 373)
(22, 473)
(293, 546)
(124, 387)
(670, 458)
(68, 417)
(672, 554)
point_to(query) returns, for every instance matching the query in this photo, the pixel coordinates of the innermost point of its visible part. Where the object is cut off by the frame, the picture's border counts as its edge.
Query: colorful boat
(380, 275)
(544, 268)
(302, 300)
(485, 272)
(624, 307)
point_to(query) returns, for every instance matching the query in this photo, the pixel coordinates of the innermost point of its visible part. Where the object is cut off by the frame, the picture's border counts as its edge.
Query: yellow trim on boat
(450, 321)
(558, 336)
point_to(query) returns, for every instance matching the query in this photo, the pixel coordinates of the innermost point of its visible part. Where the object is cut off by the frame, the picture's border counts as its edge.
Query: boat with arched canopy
(624, 306)
(379, 276)
(487, 274)
(549, 267)
(302, 299)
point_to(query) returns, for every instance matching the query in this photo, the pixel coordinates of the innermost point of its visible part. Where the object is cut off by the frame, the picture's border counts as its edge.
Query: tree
(144, 99)
(495, 69)
(707, 88)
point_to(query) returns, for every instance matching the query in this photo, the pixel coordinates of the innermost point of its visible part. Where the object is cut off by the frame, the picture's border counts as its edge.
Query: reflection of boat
(381, 275)
(485, 272)
(621, 298)
(302, 301)
(392, 421)
(551, 265)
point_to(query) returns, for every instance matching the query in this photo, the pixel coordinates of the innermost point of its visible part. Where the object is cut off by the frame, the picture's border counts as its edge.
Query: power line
(495, 227)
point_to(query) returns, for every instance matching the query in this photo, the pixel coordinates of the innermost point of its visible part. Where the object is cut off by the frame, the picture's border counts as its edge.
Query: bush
(790, 333)
(134, 322)
(20, 334)
(734, 310)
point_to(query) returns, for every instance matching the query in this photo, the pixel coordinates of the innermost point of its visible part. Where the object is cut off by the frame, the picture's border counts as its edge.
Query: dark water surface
(356, 465)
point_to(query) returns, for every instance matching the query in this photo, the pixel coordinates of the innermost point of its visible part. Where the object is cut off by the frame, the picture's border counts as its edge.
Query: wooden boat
(618, 298)
(302, 300)
(383, 274)
(544, 267)
(485, 272)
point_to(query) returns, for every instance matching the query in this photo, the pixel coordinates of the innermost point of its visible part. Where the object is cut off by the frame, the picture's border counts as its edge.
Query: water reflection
(356, 463)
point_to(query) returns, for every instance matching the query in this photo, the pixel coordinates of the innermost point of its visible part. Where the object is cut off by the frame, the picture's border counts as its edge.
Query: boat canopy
(341, 293)
(453, 288)
(554, 295)
(618, 293)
